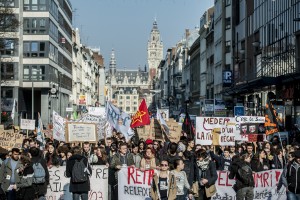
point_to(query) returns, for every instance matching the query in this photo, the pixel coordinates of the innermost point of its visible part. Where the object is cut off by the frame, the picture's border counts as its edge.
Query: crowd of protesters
(183, 170)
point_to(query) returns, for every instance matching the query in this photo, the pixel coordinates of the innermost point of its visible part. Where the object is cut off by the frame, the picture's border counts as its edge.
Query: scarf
(203, 165)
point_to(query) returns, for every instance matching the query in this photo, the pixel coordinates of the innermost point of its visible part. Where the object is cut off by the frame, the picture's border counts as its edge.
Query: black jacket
(26, 192)
(291, 176)
(41, 189)
(210, 174)
(240, 183)
(278, 164)
(257, 166)
(77, 187)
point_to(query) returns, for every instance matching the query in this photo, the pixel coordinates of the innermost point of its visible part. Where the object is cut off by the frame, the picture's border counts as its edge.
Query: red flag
(141, 117)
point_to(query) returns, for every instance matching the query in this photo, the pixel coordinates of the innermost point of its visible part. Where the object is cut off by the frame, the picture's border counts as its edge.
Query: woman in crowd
(101, 156)
(183, 186)
(62, 151)
(260, 162)
(25, 190)
(51, 156)
(149, 161)
(279, 160)
(163, 184)
(142, 148)
(207, 175)
(136, 156)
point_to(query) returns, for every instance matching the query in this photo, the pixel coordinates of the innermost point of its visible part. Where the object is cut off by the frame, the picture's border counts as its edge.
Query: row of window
(128, 97)
(35, 25)
(34, 72)
(9, 71)
(7, 3)
(9, 47)
(35, 5)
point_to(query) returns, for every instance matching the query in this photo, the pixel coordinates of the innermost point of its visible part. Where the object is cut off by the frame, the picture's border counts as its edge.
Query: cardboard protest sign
(81, 132)
(174, 130)
(134, 184)
(9, 139)
(146, 131)
(27, 124)
(216, 130)
(100, 122)
(59, 184)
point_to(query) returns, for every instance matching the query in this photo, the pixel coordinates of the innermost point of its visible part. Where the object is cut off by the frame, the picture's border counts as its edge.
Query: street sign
(69, 109)
(239, 111)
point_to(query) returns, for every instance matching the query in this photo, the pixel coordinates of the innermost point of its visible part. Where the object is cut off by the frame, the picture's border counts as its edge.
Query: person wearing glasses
(163, 184)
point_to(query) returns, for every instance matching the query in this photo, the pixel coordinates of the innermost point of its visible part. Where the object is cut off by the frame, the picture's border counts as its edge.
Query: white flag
(13, 110)
(162, 122)
(119, 120)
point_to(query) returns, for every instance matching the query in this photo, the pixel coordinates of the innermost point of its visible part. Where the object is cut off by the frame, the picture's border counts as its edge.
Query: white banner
(220, 129)
(265, 186)
(134, 184)
(58, 127)
(59, 184)
(96, 111)
(27, 124)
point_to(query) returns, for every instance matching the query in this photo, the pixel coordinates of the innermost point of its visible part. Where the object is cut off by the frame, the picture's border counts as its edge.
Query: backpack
(245, 174)
(79, 172)
(39, 173)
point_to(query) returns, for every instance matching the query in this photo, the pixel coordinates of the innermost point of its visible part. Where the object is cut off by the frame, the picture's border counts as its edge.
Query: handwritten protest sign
(59, 184)
(27, 124)
(100, 122)
(221, 130)
(9, 139)
(58, 127)
(174, 130)
(134, 184)
(81, 132)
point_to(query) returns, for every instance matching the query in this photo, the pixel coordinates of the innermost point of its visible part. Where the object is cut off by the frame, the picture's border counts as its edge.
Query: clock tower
(155, 51)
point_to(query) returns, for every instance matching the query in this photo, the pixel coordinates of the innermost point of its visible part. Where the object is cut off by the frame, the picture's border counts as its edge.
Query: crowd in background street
(182, 170)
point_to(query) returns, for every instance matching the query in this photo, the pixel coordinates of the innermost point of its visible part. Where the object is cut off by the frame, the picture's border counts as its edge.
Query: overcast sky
(125, 25)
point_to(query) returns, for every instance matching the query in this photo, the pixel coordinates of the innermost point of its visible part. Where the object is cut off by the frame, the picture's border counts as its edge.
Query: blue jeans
(292, 196)
(82, 196)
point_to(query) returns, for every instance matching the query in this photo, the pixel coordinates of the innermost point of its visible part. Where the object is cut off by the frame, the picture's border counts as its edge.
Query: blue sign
(239, 111)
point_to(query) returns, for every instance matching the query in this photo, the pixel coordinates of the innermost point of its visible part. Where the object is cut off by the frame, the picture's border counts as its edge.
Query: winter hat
(149, 141)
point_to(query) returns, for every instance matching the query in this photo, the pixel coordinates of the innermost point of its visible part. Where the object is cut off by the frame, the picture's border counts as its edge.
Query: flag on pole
(141, 117)
(40, 135)
(162, 122)
(187, 126)
(119, 120)
(13, 112)
(271, 118)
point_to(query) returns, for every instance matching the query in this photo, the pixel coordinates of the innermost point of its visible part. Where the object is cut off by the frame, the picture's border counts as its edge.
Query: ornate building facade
(125, 88)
